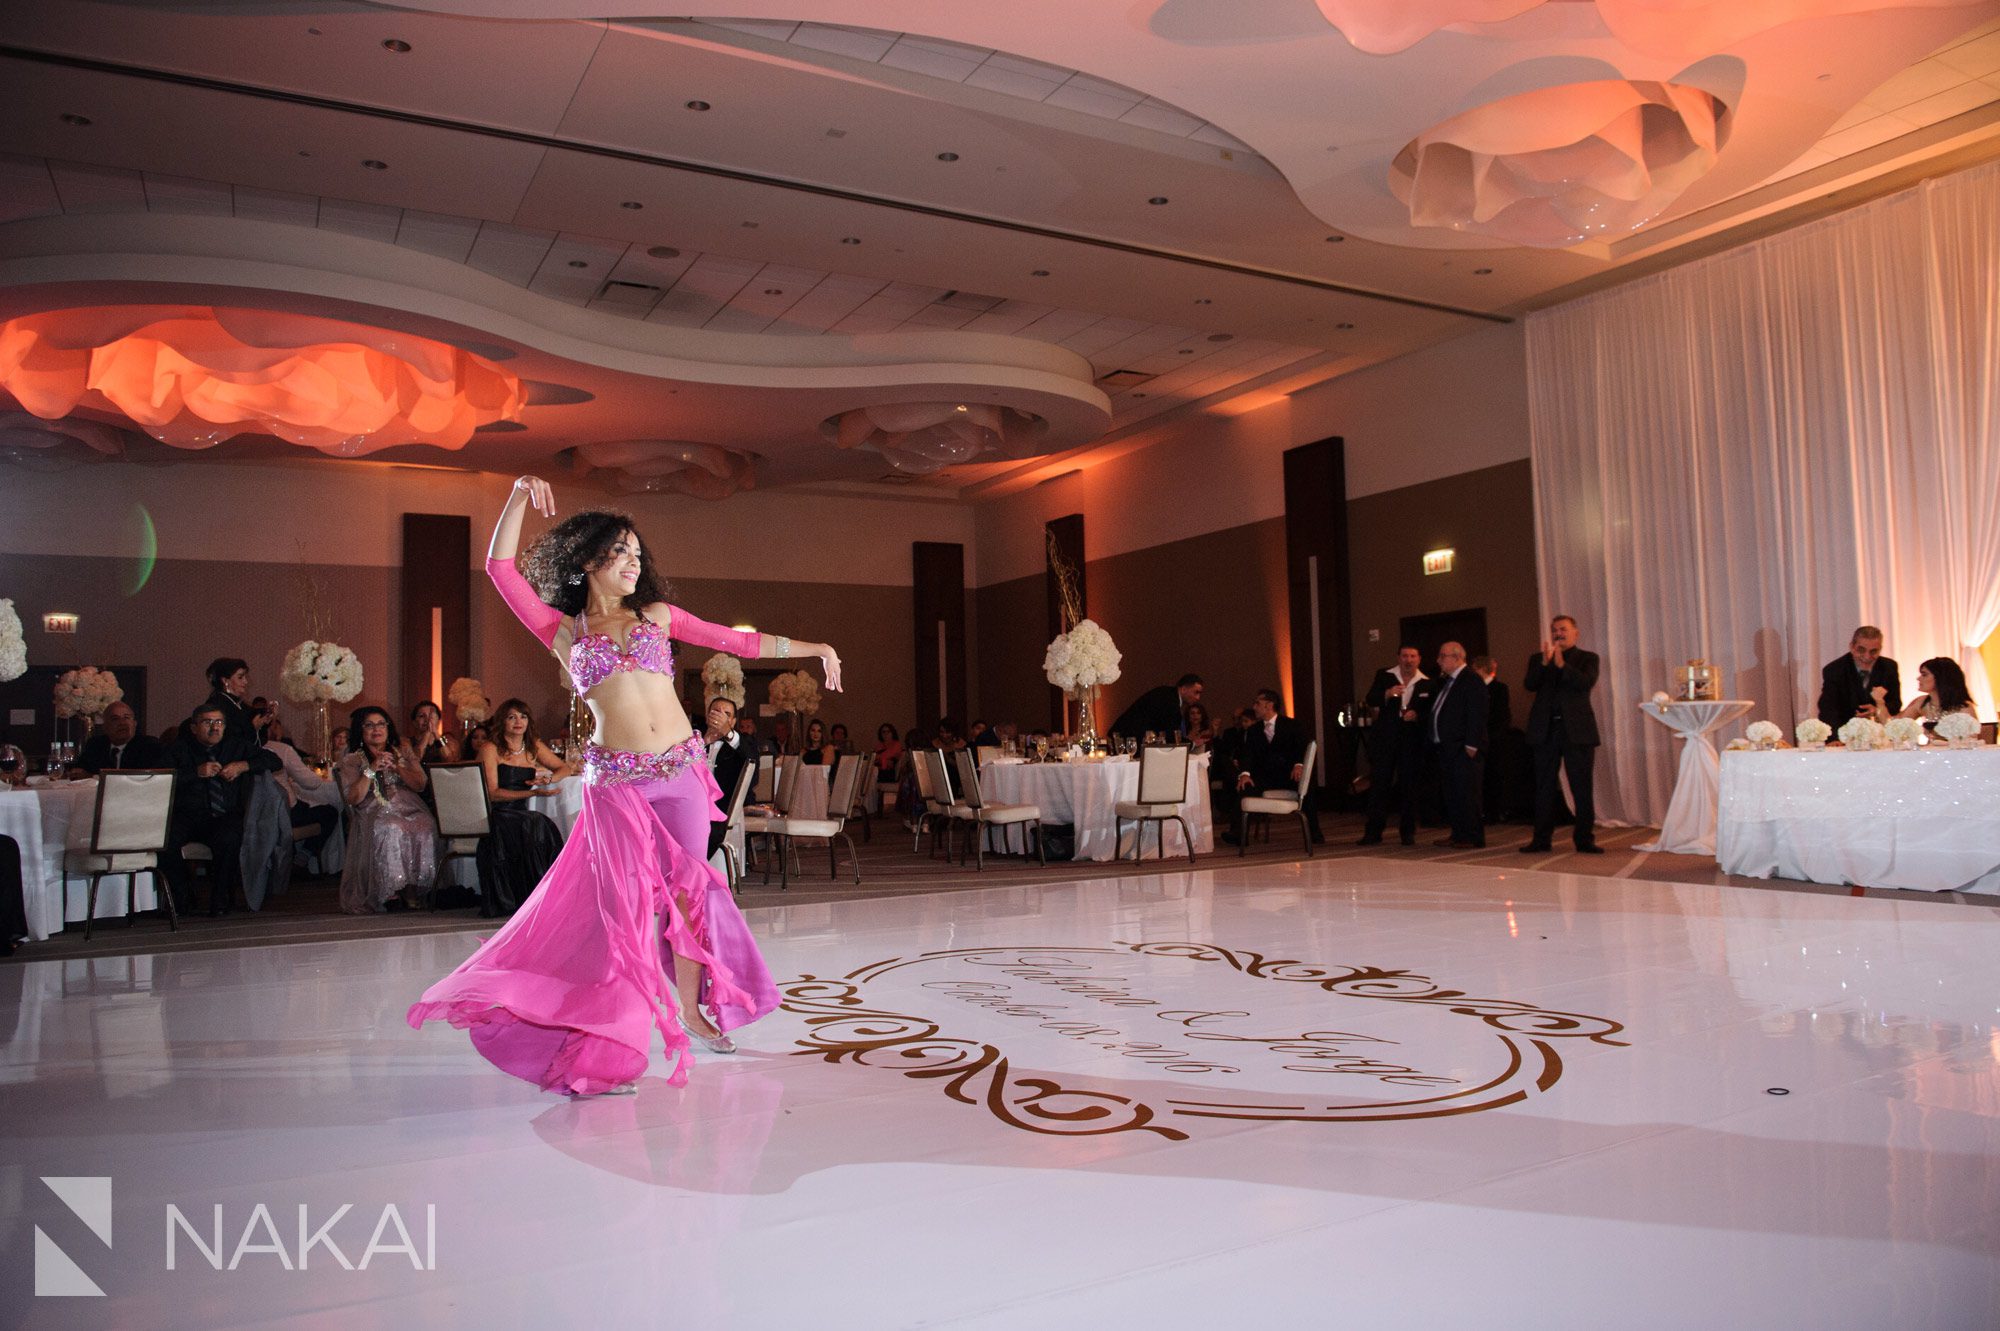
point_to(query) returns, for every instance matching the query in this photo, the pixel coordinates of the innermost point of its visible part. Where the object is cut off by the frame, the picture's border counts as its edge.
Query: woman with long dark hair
(391, 836)
(524, 842)
(566, 993)
(1941, 690)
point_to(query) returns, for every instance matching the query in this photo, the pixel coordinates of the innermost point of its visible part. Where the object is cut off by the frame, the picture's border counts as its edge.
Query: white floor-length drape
(1744, 458)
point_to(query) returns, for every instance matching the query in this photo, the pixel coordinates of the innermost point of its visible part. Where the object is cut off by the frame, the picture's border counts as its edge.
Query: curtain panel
(1744, 458)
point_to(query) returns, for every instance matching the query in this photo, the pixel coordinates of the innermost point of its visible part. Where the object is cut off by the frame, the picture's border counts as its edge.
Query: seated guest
(1272, 757)
(984, 736)
(312, 800)
(391, 836)
(1944, 691)
(1200, 730)
(117, 745)
(524, 842)
(888, 754)
(229, 690)
(948, 737)
(816, 751)
(837, 736)
(1161, 710)
(1848, 684)
(211, 797)
(729, 752)
(746, 725)
(479, 734)
(433, 743)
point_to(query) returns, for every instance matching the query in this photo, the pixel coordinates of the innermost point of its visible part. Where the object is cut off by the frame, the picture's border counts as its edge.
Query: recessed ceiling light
(750, 225)
(1343, 326)
(850, 240)
(396, 45)
(663, 252)
(1481, 272)
(578, 263)
(635, 207)
(1824, 77)
(374, 165)
(312, 32)
(1204, 300)
(305, 152)
(71, 118)
(1186, 351)
(1157, 200)
(1222, 337)
(1335, 240)
(947, 157)
(774, 291)
(836, 133)
(1138, 395)
(1039, 272)
(697, 106)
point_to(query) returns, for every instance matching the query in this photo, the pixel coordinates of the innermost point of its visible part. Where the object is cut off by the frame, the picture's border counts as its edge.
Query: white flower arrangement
(1082, 659)
(317, 672)
(1957, 727)
(795, 691)
(86, 691)
(1860, 734)
(1813, 731)
(1763, 734)
(1904, 731)
(722, 677)
(1661, 698)
(468, 695)
(13, 643)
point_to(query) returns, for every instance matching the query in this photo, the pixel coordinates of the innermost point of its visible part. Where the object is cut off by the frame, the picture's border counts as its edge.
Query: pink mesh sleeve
(684, 627)
(541, 618)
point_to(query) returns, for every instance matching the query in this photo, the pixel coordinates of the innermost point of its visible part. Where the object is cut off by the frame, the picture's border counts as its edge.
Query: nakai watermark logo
(212, 1237)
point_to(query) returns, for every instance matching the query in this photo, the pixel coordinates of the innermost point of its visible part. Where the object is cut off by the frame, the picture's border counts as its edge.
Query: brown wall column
(938, 600)
(436, 616)
(1316, 573)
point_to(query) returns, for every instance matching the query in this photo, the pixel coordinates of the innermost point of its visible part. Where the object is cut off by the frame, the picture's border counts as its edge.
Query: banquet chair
(464, 818)
(782, 786)
(970, 807)
(746, 777)
(128, 832)
(1279, 802)
(840, 799)
(934, 784)
(1163, 779)
(766, 789)
(857, 807)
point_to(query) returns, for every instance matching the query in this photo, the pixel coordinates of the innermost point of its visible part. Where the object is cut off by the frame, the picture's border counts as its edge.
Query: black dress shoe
(1536, 848)
(1369, 841)
(1592, 849)
(1408, 840)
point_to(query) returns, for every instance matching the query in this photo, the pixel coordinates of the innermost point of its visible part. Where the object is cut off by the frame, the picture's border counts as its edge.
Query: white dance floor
(1353, 1093)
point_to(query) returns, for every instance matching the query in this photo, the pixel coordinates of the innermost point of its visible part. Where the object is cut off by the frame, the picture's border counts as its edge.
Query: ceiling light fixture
(1039, 272)
(578, 263)
(398, 46)
(71, 118)
(635, 207)
(697, 106)
(1335, 240)
(750, 226)
(1343, 326)
(374, 165)
(1157, 200)
(947, 157)
(774, 291)
(850, 240)
(1185, 351)
(1204, 301)
(1481, 272)
(1222, 337)
(663, 252)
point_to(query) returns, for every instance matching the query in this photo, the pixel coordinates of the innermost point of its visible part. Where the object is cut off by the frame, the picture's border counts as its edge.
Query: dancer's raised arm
(541, 619)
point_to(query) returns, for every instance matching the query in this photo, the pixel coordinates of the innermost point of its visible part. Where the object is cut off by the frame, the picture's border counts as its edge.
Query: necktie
(1438, 707)
(117, 754)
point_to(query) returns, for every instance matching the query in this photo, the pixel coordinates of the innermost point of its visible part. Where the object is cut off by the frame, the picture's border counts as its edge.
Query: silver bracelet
(782, 645)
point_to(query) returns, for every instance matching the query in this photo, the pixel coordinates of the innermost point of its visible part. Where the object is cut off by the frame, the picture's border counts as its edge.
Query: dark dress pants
(13, 898)
(1460, 774)
(1556, 755)
(222, 833)
(1393, 786)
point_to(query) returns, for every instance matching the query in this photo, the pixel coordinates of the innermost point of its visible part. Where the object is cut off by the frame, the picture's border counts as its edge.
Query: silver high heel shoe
(629, 1088)
(718, 1043)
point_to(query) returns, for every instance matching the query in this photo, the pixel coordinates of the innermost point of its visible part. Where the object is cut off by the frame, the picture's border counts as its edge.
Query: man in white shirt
(728, 751)
(1401, 697)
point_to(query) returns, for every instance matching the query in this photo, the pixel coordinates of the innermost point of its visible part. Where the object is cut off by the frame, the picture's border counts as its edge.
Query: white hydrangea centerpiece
(722, 677)
(13, 643)
(1763, 734)
(320, 672)
(1904, 731)
(1661, 698)
(1954, 727)
(1082, 659)
(1860, 735)
(86, 691)
(795, 691)
(1812, 733)
(468, 695)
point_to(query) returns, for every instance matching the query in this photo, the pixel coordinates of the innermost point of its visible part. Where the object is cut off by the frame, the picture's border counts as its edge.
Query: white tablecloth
(1689, 827)
(1084, 795)
(47, 820)
(1927, 819)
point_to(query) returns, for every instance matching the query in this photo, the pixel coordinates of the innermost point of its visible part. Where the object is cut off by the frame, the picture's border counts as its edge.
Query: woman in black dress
(524, 842)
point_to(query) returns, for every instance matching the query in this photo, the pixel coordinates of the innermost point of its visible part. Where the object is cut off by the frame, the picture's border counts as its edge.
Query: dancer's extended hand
(540, 497)
(831, 660)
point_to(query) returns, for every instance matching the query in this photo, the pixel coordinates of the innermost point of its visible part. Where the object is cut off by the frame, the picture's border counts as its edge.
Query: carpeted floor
(307, 913)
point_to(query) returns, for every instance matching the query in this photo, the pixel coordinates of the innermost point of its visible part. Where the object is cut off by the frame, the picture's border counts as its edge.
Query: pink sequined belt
(610, 767)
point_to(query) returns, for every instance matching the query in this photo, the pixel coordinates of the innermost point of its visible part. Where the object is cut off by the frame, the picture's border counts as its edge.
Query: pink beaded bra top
(595, 657)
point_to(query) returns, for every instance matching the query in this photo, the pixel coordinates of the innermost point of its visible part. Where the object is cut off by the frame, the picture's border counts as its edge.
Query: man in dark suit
(1162, 710)
(1401, 697)
(1272, 757)
(729, 752)
(1504, 747)
(1562, 732)
(1456, 728)
(211, 797)
(117, 745)
(1847, 685)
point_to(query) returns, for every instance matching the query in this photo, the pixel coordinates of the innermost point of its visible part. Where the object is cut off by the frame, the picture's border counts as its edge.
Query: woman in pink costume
(567, 993)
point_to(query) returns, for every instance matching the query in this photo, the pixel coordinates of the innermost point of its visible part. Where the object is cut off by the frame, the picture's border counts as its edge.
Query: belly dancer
(567, 993)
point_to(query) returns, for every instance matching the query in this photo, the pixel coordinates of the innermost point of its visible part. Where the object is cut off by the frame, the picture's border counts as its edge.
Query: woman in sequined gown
(567, 993)
(391, 836)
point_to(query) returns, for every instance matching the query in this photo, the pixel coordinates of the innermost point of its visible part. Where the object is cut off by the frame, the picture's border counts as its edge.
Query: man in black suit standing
(1847, 684)
(1401, 697)
(1272, 757)
(117, 745)
(729, 751)
(1456, 728)
(1162, 710)
(1562, 731)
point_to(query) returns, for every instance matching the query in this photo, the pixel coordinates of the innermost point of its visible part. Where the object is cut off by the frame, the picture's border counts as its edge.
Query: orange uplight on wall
(1438, 561)
(193, 376)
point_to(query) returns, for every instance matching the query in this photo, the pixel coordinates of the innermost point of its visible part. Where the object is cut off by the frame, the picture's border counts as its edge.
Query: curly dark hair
(1952, 690)
(355, 743)
(529, 739)
(557, 564)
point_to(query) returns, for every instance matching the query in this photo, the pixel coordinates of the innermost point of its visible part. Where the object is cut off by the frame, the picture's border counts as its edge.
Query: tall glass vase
(1086, 719)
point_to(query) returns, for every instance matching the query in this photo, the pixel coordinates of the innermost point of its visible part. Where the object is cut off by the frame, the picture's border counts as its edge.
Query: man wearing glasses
(211, 795)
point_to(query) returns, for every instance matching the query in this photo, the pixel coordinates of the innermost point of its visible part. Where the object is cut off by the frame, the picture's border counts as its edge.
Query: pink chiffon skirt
(568, 993)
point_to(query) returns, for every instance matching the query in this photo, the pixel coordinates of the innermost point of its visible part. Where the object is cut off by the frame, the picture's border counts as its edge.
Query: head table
(1927, 818)
(1085, 795)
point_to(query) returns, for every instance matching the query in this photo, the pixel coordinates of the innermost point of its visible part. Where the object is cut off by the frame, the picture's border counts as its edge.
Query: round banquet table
(1921, 819)
(1085, 795)
(1689, 827)
(48, 818)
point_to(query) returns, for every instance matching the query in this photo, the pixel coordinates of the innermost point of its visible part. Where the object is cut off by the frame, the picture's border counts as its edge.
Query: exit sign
(1438, 561)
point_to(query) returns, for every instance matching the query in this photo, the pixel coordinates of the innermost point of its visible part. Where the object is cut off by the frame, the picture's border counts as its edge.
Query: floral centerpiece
(1079, 663)
(797, 693)
(1763, 734)
(13, 643)
(1661, 698)
(317, 673)
(1955, 728)
(1904, 731)
(1812, 733)
(722, 677)
(468, 697)
(1860, 735)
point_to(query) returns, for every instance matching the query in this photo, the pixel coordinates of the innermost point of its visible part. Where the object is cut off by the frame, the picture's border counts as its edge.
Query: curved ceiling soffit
(45, 262)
